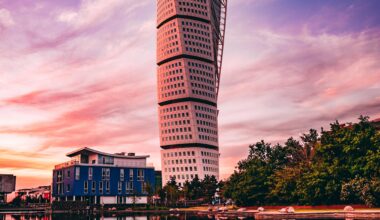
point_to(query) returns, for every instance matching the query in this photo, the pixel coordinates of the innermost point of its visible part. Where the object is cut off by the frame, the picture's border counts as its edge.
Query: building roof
(6, 174)
(84, 150)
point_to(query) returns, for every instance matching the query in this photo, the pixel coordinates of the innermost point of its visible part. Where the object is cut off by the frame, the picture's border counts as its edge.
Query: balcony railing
(72, 163)
(66, 164)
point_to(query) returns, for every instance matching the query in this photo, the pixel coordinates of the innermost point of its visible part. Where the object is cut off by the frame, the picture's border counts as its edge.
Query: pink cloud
(89, 69)
(84, 124)
(6, 19)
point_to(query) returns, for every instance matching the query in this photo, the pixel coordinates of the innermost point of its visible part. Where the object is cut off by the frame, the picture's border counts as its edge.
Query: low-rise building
(7, 185)
(103, 178)
(40, 194)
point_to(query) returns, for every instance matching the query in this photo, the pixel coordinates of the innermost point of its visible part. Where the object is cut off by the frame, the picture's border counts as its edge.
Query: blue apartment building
(102, 178)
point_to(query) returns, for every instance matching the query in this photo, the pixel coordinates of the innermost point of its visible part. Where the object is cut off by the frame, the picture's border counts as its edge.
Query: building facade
(190, 39)
(102, 178)
(41, 194)
(7, 185)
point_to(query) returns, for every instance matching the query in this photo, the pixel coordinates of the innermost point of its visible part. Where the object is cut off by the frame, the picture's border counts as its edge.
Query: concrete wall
(107, 200)
(7, 183)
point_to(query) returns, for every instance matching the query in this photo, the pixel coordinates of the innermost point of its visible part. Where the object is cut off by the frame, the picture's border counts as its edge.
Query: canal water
(115, 217)
(112, 217)
(105, 217)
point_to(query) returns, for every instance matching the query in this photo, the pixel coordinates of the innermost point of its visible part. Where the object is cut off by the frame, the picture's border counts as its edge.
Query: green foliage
(170, 193)
(16, 201)
(202, 190)
(209, 185)
(361, 190)
(340, 166)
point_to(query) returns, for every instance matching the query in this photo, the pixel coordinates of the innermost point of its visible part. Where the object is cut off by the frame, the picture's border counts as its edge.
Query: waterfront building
(103, 178)
(40, 193)
(190, 40)
(7, 185)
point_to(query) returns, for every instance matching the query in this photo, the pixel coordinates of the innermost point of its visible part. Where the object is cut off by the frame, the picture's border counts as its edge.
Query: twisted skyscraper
(190, 39)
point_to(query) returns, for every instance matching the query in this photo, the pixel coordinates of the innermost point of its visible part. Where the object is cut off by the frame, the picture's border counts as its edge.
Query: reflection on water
(105, 217)
(113, 217)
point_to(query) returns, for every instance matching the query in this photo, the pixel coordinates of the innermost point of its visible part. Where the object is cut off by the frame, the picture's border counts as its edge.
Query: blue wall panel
(77, 186)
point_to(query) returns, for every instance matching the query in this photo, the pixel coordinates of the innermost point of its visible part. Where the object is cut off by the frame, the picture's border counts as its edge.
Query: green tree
(250, 184)
(186, 189)
(341, 165)
(195, 188)
(310, 143)
(148, 189)
(209, 185)
(171, 192)
(358, 190)
(346, 151)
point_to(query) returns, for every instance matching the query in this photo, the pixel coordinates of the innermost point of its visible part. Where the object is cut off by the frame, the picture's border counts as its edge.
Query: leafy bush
(341, 165)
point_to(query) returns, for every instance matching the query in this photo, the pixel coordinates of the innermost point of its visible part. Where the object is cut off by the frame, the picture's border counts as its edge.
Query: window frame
(77, 173)
(85, 187)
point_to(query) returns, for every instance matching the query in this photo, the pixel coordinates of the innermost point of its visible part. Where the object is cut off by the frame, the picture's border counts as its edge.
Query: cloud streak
(85, 76)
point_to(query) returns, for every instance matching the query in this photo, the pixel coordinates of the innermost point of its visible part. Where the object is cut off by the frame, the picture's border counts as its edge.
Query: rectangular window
(103, 173)
(77, 173)
(93, 187)
(131, 175)
(68, 187)
(68, 174)
(129, 187)
(105, 160)
(121, 174)
(140, 175)
(144, 189)
(106, 173)
(85, 186)
(101, 187)
(119, 187)
(59, 176)
(90, 173)
(108, 186)
(58, 188)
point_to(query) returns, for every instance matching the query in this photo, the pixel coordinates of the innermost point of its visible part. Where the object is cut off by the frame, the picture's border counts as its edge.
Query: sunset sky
(82, 73)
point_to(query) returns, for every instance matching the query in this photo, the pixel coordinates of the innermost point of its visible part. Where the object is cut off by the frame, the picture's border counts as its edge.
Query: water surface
(113, 217)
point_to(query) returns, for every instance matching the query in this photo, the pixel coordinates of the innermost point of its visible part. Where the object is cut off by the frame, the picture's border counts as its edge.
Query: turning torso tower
(190, 39)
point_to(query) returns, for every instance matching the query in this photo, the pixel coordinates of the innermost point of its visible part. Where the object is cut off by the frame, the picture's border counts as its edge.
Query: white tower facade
(190, 40)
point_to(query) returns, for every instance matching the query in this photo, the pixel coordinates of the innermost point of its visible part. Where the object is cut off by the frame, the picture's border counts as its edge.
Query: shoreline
(306, 214)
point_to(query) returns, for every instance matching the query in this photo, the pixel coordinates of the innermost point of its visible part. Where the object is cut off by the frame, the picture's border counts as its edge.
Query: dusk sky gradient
(82, 73)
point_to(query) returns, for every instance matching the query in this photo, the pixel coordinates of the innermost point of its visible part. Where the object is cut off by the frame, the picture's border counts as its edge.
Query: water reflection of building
(126, 218)
(102, 178)
(64, 216)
